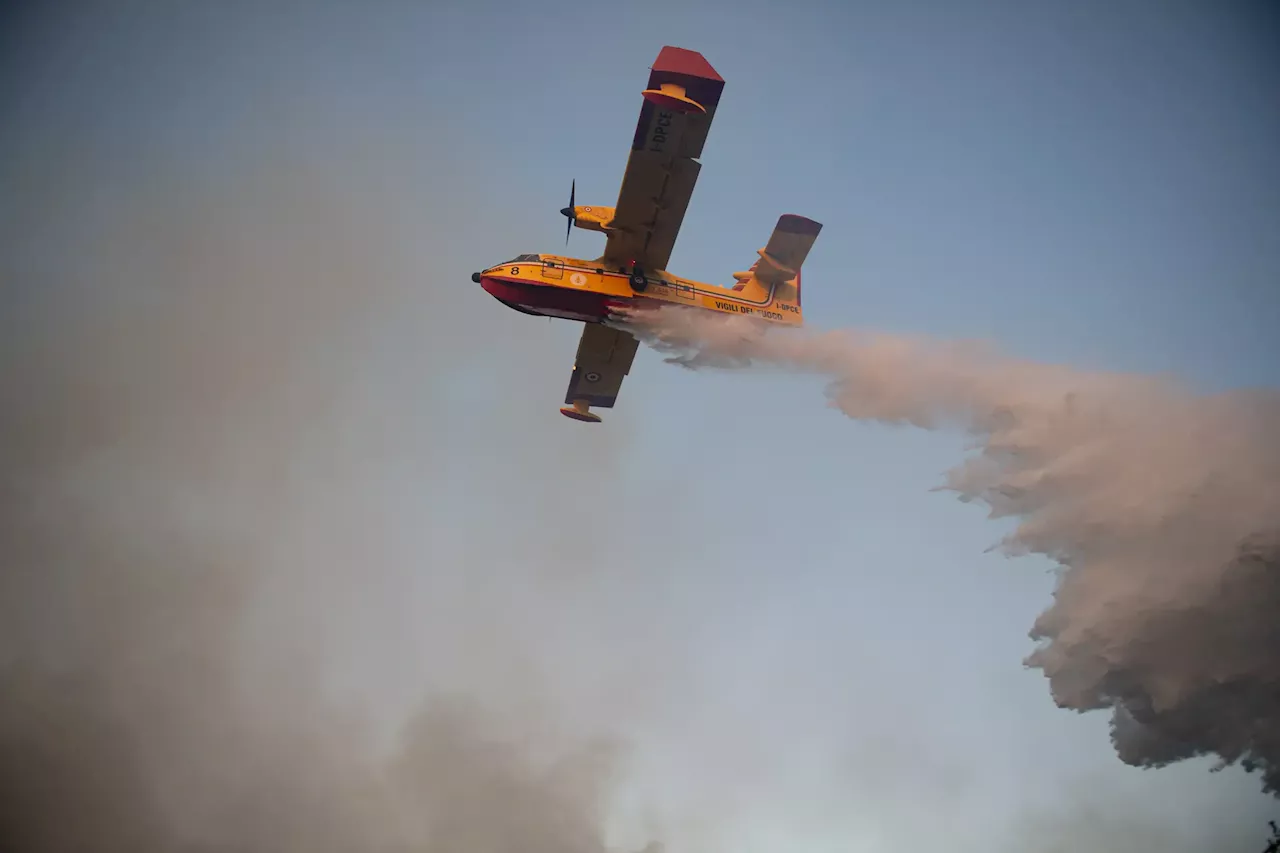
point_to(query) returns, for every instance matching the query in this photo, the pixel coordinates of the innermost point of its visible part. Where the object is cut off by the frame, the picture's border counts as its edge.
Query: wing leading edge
(604, 359)
(662, 168)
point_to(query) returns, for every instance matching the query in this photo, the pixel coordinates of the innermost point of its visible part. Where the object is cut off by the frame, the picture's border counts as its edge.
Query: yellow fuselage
(579, 289)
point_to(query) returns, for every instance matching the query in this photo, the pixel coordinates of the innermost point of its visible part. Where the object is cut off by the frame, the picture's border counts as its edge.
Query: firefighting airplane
(679, 104)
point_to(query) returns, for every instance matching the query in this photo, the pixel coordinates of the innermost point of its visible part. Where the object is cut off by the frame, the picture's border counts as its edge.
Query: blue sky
(1091, 183)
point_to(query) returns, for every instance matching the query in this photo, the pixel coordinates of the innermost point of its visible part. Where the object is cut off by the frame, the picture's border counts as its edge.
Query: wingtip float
(678, 106)
(580, 411)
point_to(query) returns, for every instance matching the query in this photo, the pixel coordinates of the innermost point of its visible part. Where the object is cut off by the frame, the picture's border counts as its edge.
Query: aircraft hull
(550, 301)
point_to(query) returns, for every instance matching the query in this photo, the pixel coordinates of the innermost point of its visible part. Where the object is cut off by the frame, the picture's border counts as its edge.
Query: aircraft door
(552, 271)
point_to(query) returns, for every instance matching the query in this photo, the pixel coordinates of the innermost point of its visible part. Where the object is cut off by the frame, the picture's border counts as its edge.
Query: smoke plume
(1161, 508)
(179, 495)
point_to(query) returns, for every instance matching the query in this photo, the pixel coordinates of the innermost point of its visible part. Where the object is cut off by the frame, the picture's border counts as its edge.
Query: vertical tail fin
(784, 255)
(788, 246)
(778, 268)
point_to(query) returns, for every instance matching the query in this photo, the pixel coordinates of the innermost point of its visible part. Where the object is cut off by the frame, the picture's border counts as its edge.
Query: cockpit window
(524, 259)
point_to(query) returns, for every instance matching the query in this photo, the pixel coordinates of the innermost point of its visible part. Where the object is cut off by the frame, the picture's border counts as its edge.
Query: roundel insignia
(592, 376)
(578, 278)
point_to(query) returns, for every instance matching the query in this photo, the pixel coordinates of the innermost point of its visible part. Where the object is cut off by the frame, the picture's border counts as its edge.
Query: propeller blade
(568, 212)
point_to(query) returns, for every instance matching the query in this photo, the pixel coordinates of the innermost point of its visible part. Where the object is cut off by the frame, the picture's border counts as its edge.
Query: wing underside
(604, 359)
(662, 168)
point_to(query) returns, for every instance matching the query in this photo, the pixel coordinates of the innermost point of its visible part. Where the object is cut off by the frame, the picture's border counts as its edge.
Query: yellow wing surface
(662, 169)
(604, 359)
(679, 105)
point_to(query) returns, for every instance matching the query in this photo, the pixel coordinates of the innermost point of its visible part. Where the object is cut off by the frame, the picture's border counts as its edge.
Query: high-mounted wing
(603, 361)
(679, 104)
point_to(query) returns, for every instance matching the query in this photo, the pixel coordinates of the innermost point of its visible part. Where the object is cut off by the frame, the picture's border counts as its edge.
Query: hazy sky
(803, 645)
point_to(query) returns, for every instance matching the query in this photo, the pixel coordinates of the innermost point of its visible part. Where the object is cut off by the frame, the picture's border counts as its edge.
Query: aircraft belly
(549, 301)
(570, 315)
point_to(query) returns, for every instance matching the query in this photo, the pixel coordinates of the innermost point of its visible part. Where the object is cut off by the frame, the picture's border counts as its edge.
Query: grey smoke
(1160, 506)
(204, 504)
(179, 486)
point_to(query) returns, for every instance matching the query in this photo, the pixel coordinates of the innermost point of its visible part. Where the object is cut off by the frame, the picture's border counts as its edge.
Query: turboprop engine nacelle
(593, 218)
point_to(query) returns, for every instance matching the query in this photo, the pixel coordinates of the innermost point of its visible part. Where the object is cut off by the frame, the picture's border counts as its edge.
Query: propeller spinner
(570, 212)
